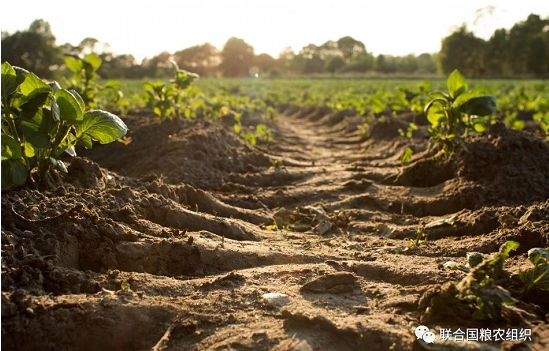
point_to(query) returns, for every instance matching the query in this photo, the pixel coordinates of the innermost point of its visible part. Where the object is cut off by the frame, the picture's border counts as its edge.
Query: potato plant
(538, 276)
(84, 81)
(171, 99)
(456, 112)
(42, 121)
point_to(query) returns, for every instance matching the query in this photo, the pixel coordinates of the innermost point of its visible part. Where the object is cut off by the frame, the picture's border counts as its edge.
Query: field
(341, 195)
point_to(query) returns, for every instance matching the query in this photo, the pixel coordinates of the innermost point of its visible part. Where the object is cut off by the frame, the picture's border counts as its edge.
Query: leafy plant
(85, 81)
(42, 121)
(169, 100)
(538, 276)
(479, 289)
(477, 296)
(457, 112)
(406, 157)
(543, 119)
(420, 239)
(84, 77)
(409, 131)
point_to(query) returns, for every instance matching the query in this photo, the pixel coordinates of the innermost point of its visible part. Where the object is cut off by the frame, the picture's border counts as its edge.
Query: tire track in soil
(152, 265)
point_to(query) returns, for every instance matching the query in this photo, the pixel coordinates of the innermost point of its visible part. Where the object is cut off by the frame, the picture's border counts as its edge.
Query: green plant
(406, 157)
(159, 96)
(477, 296)
(457, 112)
(85, 81)
(479, 289)
(420, 239)
(538, 276)
(169, 100)
(409, 131)
(42, 121)
(543, 119)
(84, 77)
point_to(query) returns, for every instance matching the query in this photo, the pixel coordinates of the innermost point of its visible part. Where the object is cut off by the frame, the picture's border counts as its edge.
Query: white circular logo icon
(420, 330)
(429, 337)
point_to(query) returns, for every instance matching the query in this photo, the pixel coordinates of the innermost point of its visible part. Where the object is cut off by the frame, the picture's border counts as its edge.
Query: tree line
(522, 50)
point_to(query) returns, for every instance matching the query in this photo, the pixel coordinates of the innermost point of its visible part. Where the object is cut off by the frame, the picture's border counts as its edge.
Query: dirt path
(145, 262)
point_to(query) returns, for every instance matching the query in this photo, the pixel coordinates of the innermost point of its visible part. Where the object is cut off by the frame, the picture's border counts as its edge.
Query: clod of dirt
(201, 153)
(275, 300)
(87, 173)
(307, 218)
(511, 166)
(335, 283)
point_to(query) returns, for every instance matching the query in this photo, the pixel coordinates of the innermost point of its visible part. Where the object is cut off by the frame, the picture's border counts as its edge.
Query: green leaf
(69, 107)
(79, 99)
(456, 84)
(406, 157)
(86, 141)
(509, 246)
(14, 172)
(183, 78)
(9, 80)
(36, 129)
(33, 104)
(101, 126)
(10, 148)
(74, 63)
(93, 60)
(439, 95)
(55, 112)
(537, 254)
(114, 84)
(469, 95)
(261, 129)
(436, 114)
(29, 150)
(33, 85)
(436, 101)
(479, 106)
(478, 124)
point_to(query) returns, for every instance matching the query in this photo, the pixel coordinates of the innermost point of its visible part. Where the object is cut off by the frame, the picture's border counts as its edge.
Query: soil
(184, 237)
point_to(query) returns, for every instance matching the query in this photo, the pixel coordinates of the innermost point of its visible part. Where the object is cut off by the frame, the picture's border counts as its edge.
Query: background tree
(236, 58)
(158, 66)
(385, 64)
(286, 61)
(528, 53)
(426, 64)
(201, 59)
(33, 49)
(264, 62)
(496, 52)
(335, 64)
(406, 64)
(462, 50)
(350, 47)
(309, 59)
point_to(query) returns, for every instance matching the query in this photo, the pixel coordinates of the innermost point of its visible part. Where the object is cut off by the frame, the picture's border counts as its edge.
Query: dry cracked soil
(184, 237)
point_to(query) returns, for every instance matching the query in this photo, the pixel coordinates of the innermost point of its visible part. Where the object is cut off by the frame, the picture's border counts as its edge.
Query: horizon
(378, 26)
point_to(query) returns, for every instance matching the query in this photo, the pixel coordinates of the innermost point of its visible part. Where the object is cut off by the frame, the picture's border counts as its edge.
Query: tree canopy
(522, 50)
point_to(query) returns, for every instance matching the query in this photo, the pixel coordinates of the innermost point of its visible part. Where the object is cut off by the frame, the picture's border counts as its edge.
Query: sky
(145, 28)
